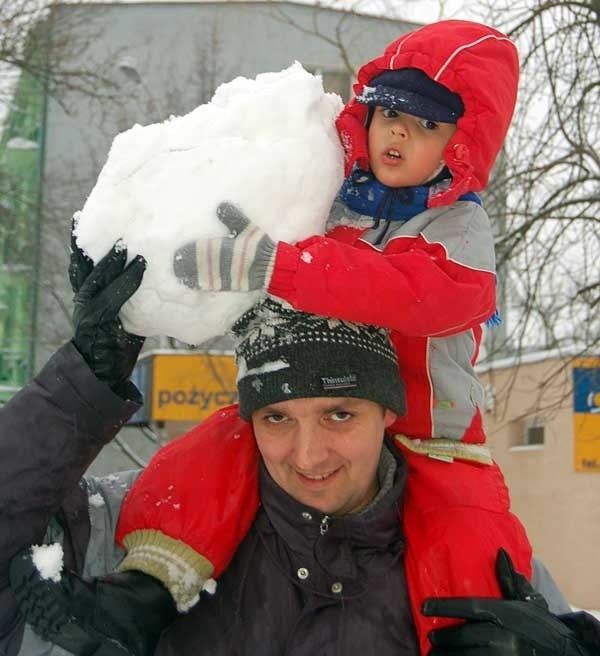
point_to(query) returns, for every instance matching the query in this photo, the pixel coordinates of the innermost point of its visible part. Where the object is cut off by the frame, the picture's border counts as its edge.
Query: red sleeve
(201, 489)
(418, 291)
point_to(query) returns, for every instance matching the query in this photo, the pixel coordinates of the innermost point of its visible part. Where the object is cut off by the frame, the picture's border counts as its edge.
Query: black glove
(518, 625)
(100, 292)
(116, 615)
(242, 261)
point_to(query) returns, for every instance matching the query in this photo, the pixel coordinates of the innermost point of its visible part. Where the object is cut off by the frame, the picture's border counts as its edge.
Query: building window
(527, 435)
(533, 432)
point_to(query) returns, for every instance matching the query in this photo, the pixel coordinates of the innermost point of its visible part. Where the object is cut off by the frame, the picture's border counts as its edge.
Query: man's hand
(116, 615)
(518, 625)
(100, 292)
(242, 261)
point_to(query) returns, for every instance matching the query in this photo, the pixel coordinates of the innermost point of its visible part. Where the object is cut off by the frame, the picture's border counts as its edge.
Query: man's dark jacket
(293, 587)
(303, 584)
(49, 434)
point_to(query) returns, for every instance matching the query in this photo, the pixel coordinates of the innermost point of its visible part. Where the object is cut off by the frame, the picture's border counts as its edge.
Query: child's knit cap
(285, 354)
(411, 91)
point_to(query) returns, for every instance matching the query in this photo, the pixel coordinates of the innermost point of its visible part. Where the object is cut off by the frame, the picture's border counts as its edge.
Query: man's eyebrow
(270, 408)
(344, 406)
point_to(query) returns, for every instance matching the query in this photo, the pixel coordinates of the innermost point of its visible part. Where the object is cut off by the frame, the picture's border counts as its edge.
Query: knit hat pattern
(285, 354)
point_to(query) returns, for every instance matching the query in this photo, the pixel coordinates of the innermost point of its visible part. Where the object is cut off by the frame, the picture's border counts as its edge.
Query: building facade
(543, 425)
(112, 65)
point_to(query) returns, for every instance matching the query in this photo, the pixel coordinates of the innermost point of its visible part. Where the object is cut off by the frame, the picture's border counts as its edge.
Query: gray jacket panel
(544, 583)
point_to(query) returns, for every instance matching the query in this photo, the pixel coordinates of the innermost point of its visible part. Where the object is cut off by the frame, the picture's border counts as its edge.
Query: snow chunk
(96, 500)
(48, 560)
(210, 586)
(267, 145)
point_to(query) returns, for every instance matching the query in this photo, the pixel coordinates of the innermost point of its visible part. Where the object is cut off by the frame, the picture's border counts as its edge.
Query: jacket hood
(475, 61)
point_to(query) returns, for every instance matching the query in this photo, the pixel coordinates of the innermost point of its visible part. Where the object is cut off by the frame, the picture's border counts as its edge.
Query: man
(319, 572)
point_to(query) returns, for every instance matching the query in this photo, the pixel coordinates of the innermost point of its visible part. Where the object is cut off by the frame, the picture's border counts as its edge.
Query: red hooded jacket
(430, 279)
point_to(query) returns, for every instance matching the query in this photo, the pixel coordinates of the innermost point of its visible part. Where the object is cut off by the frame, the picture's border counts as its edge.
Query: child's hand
(242, 261)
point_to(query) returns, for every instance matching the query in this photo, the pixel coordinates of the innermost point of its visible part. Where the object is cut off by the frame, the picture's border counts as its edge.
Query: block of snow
(268, 145)
(210, 586)
(48, 560)
(96, 500)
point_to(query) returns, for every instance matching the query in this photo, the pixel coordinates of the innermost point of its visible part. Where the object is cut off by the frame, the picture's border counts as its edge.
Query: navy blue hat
(411, 91)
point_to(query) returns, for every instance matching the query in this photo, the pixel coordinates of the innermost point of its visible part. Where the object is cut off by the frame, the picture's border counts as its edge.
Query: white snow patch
(210, 586)
(267, 145)
(266, 368)
(48, 560)
(96, 500)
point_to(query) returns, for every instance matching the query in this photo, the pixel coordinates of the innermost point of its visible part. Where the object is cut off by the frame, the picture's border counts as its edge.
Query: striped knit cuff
(181, 569)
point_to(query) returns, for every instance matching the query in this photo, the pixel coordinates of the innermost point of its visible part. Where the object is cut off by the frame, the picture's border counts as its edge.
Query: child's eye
(427, 124)
(390, 113)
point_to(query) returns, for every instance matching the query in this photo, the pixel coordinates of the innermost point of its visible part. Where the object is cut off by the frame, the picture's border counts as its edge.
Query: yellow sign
(191, 386)
(586, 414)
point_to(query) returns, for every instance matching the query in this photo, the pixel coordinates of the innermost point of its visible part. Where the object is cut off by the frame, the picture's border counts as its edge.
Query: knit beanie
(411, 91)
(285, 354)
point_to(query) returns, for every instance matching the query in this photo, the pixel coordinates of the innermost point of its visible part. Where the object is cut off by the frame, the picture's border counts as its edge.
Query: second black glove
(518, 625)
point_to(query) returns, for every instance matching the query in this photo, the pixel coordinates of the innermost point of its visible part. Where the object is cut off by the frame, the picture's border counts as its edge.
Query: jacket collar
(364, 194)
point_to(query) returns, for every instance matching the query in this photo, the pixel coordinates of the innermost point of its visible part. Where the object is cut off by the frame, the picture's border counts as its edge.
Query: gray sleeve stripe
(463, 230)
(483, 267)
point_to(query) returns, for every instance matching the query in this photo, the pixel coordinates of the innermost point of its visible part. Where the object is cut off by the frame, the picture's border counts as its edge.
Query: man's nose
(310, 448)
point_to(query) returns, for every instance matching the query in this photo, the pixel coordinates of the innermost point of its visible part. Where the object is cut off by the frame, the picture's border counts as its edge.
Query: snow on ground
(268, 145)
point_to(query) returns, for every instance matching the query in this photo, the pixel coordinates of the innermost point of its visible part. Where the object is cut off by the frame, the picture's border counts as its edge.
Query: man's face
(324, 452)
(406, 150)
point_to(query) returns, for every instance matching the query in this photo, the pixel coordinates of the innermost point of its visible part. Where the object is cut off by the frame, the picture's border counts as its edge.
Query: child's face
(405, 150)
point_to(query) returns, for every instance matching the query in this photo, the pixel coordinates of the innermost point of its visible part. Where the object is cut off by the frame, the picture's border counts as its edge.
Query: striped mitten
(242, 261)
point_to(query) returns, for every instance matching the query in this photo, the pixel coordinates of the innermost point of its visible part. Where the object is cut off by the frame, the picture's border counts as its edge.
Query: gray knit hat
(285, 354)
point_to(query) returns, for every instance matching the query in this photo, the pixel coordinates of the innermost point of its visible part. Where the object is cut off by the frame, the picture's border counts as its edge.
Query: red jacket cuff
(287, 259)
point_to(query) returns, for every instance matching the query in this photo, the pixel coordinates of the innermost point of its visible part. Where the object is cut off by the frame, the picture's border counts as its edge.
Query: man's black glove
(100, 292)
(518, 625)
(116, 615)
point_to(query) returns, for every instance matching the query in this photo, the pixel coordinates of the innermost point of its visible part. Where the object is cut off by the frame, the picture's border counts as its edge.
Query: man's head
(320, 393)
(411, 119)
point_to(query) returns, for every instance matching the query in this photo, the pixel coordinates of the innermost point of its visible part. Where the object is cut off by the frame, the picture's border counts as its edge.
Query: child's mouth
(394, 154)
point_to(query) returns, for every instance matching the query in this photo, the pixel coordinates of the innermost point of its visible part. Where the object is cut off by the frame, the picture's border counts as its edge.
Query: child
(408, 247)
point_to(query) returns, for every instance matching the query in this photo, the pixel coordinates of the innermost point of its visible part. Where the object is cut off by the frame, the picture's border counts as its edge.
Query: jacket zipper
(324, 527)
